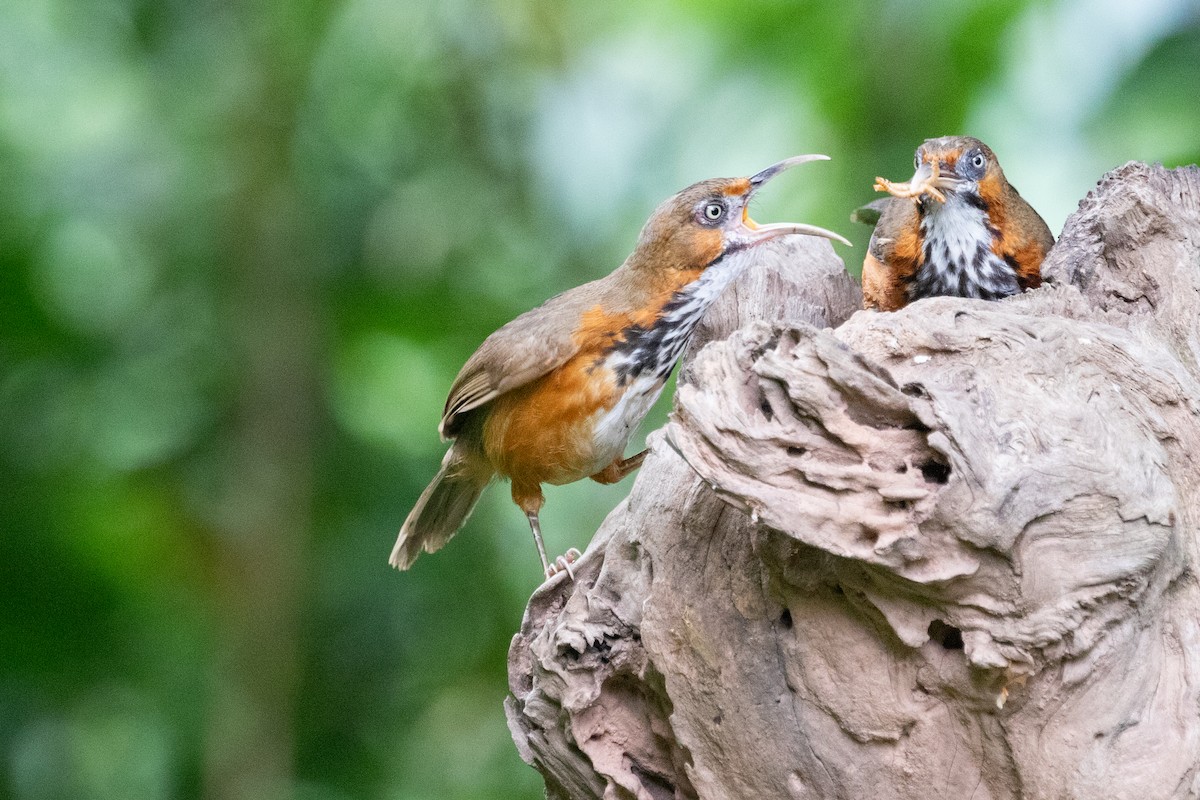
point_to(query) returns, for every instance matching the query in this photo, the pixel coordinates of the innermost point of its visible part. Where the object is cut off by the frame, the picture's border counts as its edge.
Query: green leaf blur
(244, 248)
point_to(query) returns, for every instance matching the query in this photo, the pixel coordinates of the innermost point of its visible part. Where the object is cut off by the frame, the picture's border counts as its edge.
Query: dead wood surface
(947, 552)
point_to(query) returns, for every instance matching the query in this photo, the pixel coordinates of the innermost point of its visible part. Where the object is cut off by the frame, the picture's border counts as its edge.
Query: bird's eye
(917, 161)
(714, 211)
(977, 161)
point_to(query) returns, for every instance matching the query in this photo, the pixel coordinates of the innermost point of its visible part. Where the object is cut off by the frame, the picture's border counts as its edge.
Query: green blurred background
(244, 248)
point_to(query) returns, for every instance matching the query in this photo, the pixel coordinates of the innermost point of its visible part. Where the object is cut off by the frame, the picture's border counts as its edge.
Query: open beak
(755, 233)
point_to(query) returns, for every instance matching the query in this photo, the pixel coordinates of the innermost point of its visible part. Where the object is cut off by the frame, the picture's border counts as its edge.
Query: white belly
(645, 359)
(614, 428)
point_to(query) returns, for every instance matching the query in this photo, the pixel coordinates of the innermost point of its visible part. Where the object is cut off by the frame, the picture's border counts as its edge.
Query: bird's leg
(536, 527)
(619, 468)
(562, 563)
(531, 500)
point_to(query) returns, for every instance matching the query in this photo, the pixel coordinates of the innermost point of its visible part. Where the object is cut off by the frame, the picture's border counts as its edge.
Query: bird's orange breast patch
(906, 249)
(992, 193)
(540, 432)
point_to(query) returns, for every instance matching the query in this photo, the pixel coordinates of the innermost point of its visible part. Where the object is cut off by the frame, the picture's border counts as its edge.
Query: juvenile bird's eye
(916, 161)
(714, 211)
(977, 161)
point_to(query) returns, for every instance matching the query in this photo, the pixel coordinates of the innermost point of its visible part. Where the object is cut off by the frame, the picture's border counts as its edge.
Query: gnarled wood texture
(943, 552)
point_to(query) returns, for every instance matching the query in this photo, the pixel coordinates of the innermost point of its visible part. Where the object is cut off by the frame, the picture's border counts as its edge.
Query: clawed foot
(563, 564)
(927, 186)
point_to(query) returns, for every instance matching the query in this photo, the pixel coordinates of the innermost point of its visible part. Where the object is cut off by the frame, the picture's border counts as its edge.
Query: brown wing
(522, 351)
(1027, 247)
(893, 256)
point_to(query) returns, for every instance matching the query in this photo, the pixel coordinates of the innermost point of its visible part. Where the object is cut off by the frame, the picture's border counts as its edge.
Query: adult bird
(555, 395)
(958, 228)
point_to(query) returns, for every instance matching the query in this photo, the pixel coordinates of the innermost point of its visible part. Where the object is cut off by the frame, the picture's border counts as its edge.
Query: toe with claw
(563, 564)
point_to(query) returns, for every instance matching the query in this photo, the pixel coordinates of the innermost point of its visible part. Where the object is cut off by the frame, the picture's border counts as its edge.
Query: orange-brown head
(965, 166)
(709, 220)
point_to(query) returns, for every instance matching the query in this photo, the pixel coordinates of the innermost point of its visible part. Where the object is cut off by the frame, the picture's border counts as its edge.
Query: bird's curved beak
(753, 233)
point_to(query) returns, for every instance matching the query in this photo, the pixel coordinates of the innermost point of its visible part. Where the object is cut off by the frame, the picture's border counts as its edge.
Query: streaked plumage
(982, 241)
(555, 395)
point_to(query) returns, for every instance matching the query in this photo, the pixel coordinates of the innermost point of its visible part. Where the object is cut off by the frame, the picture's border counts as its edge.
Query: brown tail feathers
(441, 510)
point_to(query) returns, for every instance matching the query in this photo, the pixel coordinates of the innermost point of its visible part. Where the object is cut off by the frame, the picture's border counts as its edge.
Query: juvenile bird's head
(959, 166)
(708, 222)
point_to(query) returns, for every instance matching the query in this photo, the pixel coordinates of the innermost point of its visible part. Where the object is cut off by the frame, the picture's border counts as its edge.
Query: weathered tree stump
(944, 552)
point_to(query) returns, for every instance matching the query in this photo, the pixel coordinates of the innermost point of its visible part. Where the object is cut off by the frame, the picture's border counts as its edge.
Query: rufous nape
(555, 395)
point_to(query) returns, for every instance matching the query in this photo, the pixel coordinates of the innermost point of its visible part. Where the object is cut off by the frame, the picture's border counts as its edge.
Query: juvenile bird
(957, 228)
(555, 395)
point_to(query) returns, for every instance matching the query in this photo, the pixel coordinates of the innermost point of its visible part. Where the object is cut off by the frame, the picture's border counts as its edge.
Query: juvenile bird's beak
(922, 176)
(947, 182)
(929, 179)
(944, 179)
(753, 233)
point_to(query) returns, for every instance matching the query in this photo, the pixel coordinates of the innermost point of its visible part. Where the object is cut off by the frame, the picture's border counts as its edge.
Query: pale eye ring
(714, 211)
(977, 161)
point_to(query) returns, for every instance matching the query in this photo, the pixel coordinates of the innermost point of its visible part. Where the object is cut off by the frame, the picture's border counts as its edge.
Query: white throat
(958, 256)
(643, 361)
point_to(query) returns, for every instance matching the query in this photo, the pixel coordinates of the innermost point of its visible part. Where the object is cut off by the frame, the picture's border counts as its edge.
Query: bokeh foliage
(245, 247)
